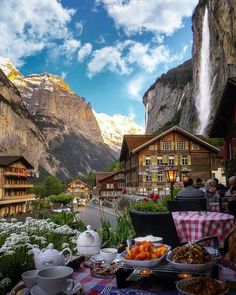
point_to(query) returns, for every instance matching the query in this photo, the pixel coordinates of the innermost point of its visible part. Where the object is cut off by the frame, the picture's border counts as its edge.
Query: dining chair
(198, 204)
(160, 224)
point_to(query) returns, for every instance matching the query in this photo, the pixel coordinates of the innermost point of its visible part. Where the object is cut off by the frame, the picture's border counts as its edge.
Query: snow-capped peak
(114, 127)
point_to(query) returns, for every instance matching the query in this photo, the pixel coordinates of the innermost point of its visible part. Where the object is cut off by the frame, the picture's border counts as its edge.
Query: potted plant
(150, 216)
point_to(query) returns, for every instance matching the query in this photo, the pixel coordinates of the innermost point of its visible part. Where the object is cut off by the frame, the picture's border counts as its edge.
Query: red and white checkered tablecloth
(90, 284)
(192, 226)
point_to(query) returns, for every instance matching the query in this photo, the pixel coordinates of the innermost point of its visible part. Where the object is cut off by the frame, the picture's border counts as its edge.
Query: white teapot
(88, 242)
(50, 257)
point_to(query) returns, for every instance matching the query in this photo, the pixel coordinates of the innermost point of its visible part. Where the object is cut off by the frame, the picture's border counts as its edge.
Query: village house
(145, 158)
(110, 184)
(78, 188)
(14, 188)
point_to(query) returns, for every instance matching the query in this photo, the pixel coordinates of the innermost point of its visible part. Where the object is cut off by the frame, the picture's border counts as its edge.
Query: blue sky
(108, 51)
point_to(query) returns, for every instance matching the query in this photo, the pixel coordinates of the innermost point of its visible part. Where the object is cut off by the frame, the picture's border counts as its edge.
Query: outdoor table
(192, 226)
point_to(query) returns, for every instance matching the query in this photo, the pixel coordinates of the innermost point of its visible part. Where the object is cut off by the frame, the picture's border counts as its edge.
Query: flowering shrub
(152, 204)
(18, 238)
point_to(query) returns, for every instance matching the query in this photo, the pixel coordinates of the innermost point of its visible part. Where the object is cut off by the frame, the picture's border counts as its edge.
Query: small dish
(149, 238)
(36, 290)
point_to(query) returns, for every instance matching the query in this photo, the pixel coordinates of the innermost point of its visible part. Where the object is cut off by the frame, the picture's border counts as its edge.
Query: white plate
(36, 290)
(98, 258)
(189, 267)
(143, 263)
(149, 238)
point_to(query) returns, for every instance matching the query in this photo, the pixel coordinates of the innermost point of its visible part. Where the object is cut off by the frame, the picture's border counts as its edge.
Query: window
(148, 178)
(110, 186)
(195, 147)
(166, 145)
(121, 184)
(147, 160)
(153, 147)
(159, 177)
(180, 145)
(184, 160)
(159, 161)
(171, 161)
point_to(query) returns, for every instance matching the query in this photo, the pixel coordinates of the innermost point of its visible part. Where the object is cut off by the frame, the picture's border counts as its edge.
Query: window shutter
(172, 145)
(186, 145)
(154, 160)
(154, 177)
(144, 178)
(180, 159)
(176, 160)
(189, 160)
(165, 159)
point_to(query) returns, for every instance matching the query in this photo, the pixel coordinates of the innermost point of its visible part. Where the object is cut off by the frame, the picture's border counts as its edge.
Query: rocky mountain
(222, 29)
(19, 135)
(172, 99)
(114, 127)
(66, 121)
(169, 101)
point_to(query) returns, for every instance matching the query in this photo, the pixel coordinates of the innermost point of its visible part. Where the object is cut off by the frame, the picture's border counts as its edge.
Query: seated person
(232, 182)
(190, 191)
(198, 183)
(231, 196)
(221, 189)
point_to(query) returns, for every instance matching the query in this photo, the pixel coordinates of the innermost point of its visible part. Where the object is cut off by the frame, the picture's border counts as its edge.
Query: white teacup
(56, 279)
(30, 278)
(108, 254)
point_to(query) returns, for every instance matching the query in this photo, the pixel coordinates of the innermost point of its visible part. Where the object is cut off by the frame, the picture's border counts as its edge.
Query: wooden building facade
(111, 185)
(78, 188)
(145, 163)
(14, 187)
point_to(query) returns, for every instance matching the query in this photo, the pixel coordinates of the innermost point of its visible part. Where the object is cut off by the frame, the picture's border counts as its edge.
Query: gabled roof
(224, 113)
(131, 142)
(8, 160)
(100, 175)
(78, 180)
(111, 174)
(184, 132)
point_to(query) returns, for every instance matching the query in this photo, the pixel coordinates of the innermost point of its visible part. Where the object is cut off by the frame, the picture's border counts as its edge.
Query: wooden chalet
(110, 184)
(78, 188)
(224, 124)
(145, 158)
(15, 197)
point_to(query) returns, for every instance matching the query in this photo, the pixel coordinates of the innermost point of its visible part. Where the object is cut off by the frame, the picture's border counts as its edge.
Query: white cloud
(100, 40)
(109, 58)
(135, 88)
(84, 51)
(157, 16)
(124, 56)
(26, 27)
(63, 75)
(68, 48)
(79, 27)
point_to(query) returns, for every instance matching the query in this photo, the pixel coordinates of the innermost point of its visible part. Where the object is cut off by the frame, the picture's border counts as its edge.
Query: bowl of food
(193, 258)
(149, 238)
(145, 254)
(201, 286)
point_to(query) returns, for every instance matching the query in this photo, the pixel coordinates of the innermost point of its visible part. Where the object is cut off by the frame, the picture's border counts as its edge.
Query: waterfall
(203, 99)
(146, 117)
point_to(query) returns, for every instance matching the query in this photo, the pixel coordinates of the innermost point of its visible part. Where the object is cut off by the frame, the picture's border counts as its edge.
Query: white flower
(4, 282)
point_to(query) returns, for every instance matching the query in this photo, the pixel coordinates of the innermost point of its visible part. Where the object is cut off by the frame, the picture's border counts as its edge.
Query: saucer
(36, 290)
(99, 258)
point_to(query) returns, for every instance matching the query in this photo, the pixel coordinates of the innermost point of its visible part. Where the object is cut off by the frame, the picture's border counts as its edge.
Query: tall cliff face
(19, 134)
(169, 100)
(66, 121)
(163, 99)
(221, 18)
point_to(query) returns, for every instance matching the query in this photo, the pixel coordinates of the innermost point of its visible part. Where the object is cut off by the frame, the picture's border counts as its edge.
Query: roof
(8, 160)
(100, 175)
(224, 112)
(131, 142)
(184, 132)
(111, 174)
(77, 179)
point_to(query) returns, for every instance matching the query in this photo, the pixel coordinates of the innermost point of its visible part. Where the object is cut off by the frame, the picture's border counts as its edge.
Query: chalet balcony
(14, 173)
(18, 185)
(17, 199)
